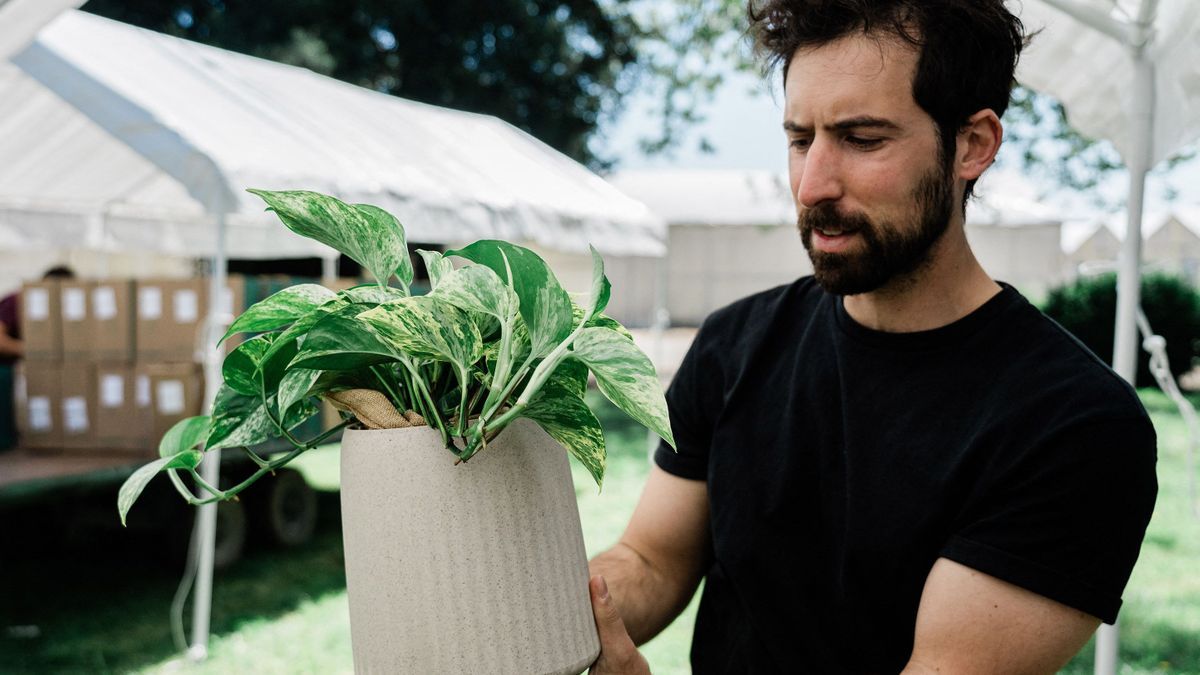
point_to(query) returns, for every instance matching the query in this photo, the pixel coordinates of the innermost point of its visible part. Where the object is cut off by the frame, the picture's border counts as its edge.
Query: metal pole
(329, 266)
(1125, 346)
(206, 520)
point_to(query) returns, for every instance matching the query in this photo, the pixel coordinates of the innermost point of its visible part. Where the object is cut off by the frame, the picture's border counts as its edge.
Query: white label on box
(170, 397)
(74, 304)
(104, 303)
(39, 413)
(187, 308)
(143, 391)
(37, 304)
(112, 391)
(150, 302)
(75, 418)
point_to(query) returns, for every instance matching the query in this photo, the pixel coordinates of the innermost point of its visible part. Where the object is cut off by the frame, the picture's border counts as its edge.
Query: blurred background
(129, 130)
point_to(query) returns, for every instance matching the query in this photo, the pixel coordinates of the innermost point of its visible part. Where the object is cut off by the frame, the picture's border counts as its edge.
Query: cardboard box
(75, 320)
(77, 405)
(110, 308)
(175, 392)
(41, 320)
(120, 423)
(39, 404)
(171, 315)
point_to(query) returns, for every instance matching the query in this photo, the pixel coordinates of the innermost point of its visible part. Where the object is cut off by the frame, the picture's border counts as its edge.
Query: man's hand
(618, 654)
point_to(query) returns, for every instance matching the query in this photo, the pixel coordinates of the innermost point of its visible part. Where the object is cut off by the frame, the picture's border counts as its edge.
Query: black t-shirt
(842, 462)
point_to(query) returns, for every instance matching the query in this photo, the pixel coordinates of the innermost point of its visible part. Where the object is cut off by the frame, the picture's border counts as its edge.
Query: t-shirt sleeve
(693, 402)
(1065, 518)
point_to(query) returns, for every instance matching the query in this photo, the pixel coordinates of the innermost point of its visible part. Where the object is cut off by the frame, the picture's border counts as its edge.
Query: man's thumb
(608, 620)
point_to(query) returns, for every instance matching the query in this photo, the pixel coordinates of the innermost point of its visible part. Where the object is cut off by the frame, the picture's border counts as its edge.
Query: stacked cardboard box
(113, 364)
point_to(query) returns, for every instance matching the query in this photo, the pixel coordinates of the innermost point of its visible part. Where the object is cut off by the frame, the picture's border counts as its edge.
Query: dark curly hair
(968, 49)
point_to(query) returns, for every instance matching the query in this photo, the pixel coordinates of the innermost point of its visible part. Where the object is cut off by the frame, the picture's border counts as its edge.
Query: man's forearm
(647, 598)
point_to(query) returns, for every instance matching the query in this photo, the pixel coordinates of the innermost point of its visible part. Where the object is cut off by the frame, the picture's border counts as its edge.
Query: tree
(550, 67)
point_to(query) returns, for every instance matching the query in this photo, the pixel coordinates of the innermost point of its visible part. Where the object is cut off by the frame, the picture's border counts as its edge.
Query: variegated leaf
(133, 486)
(281, 309)
(544, 305)
(242, 369)
(560, 409)
(601, 321)
(340, 341)
(294, 387)
(437, 265)
(185, 434)
(373, 294)
(626, 377)
(427, 327)
(367, 235)
(477, 288)
(240, 420)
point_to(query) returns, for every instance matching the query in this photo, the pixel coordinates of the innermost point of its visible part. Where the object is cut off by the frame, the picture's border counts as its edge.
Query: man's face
(873, 196)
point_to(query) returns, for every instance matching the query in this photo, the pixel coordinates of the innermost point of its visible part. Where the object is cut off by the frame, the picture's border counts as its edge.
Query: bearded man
(897, 464)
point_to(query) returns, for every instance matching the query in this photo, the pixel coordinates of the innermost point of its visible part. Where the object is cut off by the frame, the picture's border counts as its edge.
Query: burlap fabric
(373, 409)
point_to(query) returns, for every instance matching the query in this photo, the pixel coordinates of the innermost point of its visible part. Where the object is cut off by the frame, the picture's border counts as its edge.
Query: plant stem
(182, 489)
(388, 387)
(219, 495)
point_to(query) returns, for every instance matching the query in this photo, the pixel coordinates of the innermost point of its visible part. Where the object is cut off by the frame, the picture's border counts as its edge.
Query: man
(897, 464)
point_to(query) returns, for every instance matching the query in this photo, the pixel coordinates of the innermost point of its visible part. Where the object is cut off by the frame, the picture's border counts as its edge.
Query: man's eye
(863, 143)
(800, 143)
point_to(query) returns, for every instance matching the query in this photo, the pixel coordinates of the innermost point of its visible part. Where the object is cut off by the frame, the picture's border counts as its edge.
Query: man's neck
(951, 285)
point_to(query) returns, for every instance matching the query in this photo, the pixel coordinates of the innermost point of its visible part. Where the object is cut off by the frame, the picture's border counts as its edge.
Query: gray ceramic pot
(473, 568)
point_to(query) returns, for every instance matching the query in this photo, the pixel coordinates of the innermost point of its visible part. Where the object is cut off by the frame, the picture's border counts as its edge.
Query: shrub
(1087, 308)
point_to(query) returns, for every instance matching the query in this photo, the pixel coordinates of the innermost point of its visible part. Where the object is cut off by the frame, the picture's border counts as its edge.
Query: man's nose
(820, 176)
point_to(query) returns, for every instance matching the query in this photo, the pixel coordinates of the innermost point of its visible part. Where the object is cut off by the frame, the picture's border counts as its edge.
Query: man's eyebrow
(845, 125)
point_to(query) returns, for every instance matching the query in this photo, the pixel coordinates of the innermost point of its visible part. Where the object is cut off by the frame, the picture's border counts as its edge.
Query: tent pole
(329, 269)
(210, 469)
(1125, 346)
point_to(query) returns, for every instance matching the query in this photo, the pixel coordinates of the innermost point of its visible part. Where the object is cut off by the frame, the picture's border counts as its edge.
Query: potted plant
(462, 538)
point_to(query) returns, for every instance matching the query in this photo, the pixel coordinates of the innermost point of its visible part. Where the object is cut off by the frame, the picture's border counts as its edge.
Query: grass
(86, 596)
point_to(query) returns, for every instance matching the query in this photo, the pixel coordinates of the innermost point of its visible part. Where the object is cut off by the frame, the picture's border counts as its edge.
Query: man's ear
(977, 143)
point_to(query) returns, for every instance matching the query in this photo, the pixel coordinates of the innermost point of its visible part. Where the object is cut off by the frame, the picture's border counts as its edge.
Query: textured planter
(472, 568)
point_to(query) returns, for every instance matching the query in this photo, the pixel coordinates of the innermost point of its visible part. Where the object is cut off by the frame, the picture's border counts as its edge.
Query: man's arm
(969, 622)
(654, 569)
(10, 346)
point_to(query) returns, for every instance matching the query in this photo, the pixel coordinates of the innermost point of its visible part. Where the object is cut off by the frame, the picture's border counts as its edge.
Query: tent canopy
(1090, 71)
(121, 138)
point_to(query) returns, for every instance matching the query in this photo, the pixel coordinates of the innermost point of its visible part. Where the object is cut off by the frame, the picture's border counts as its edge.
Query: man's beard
(889, 250)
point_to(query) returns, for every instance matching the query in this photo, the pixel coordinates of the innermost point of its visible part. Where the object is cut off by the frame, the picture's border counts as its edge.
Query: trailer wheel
(288, 511)
(231, 534)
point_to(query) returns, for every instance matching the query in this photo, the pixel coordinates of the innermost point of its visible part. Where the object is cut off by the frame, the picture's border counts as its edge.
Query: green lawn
(90, 599)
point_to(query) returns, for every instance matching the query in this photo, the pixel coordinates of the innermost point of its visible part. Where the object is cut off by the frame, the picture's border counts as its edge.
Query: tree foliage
(553, 68)
(1086, 308)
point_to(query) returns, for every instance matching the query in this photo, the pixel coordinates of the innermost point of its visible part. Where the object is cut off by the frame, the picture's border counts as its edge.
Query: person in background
(12, 348)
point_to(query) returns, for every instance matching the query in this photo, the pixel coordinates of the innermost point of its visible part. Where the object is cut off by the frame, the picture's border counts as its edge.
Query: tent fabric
(1091, 71)
(20, 21)
(132, 136)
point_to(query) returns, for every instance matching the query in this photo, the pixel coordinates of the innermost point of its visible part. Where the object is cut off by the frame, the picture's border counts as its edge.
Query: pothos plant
(496, 338)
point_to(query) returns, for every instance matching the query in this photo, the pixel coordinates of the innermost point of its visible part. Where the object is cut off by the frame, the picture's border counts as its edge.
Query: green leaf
(242, 369)
(559, 408)
(544, 305)
(427, 327)
(373, 294)
(133, 486)
(185, 434)
(437, 266)
(385, 221)
(367, 235)
(478, 289)
(601, 288)
(294, 387)
(245, 420)
(626, 377)
(340, 341)
(281, 309)
(601, 321)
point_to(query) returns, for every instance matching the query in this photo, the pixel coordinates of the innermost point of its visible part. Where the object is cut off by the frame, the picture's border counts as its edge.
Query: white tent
(1127, 71)
(107, 129)
(118, 138)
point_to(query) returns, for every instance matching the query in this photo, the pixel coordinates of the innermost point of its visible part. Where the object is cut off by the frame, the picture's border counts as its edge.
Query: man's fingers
(618, 654)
